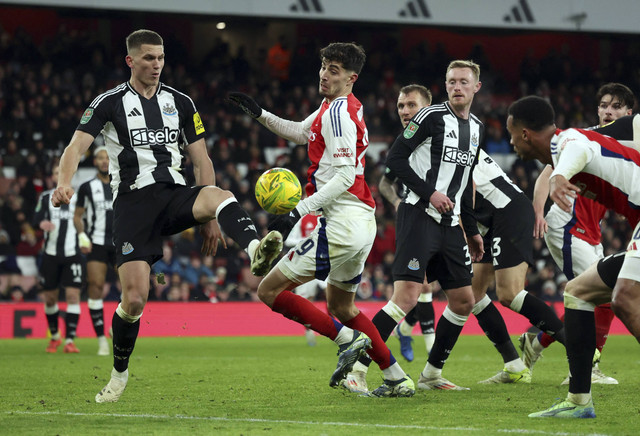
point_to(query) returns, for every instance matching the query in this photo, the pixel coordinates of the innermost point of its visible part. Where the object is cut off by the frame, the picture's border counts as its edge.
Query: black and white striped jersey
(436, 152)
(494, 189)
(62, 241)
(145, 138)
(97, 200)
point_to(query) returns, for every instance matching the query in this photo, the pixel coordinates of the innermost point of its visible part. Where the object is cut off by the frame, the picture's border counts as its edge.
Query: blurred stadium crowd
(45, 87)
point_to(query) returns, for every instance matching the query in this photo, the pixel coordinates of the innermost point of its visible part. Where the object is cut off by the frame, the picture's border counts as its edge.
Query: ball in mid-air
(278, 191)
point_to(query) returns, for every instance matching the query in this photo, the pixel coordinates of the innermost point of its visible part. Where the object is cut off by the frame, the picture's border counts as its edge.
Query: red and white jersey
(338, 136)
(609, 176)
(583, 222)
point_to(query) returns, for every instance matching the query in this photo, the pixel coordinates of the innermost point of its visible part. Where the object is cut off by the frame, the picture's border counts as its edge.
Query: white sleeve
(295, 236)
(342, 180)
(573, 156)
(294, 131)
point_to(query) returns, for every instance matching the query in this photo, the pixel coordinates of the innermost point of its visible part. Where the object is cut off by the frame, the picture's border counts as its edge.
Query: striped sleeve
(340, 134)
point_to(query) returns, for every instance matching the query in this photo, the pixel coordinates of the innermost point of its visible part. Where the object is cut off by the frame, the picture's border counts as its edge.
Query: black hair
(532, 112)
(349, 54)
(618, 90)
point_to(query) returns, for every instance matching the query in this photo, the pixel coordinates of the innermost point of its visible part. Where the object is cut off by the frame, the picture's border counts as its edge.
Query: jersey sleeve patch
(197, 124)
(86, 116)
(410, 130)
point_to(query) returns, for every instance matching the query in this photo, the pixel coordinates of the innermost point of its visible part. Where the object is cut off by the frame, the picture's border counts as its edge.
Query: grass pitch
(279, 386)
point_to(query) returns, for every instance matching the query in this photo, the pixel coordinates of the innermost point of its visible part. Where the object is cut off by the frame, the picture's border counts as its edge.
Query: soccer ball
(278, 191)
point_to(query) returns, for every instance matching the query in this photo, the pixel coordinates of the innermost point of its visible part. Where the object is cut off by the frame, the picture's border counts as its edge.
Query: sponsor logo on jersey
(168, 109)
(86, 116)
(410, 130)
(148, 136)
(343, 152)
(452, 134)
(61, 214)
(564, 143)
(127, 248)
(458, 157)
(414, 265)
(103, 204)
(197, 123)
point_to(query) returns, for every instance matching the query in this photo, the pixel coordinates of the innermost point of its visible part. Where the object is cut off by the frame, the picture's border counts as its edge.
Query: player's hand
(211, 234)
(441, 202)
(62, 195)
(540, 227)
(284, 223)
(47, 226)
(84, 242)
(246, 103)
(476, 247)
(562, 192)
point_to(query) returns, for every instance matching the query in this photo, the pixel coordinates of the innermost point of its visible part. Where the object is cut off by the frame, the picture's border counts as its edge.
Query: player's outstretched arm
(294, 131)
(246, 103)
(78, 146)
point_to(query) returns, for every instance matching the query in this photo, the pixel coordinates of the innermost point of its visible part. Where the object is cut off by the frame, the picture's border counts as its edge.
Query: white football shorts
(335, 251)
(572, 255)
(631, 267)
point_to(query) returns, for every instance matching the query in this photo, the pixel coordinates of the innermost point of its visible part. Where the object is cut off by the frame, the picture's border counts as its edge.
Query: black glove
(284, 223)
(246, 103)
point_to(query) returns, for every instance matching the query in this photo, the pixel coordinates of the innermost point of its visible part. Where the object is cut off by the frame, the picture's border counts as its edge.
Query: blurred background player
(61, 266)
(574, 239)
(93, 220)
(411, 99)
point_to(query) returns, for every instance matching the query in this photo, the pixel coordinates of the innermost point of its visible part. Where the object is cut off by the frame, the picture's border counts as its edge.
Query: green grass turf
(279, 386)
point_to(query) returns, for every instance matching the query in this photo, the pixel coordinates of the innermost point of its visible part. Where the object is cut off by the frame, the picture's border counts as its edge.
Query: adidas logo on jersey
(127, 248)
(134, 113)
(452, 134)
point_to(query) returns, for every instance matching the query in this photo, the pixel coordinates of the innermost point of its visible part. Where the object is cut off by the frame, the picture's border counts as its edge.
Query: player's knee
(462, 306)
(216, 196)
(505, 300)
(95, 290)
(265, 294)
(344, 314)
(134, 305)
(622, 303)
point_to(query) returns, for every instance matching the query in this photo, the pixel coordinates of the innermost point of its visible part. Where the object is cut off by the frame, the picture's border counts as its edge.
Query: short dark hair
(143, 36)
(423, 91)
(532, 112)
(618, 90)
(349, 54)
